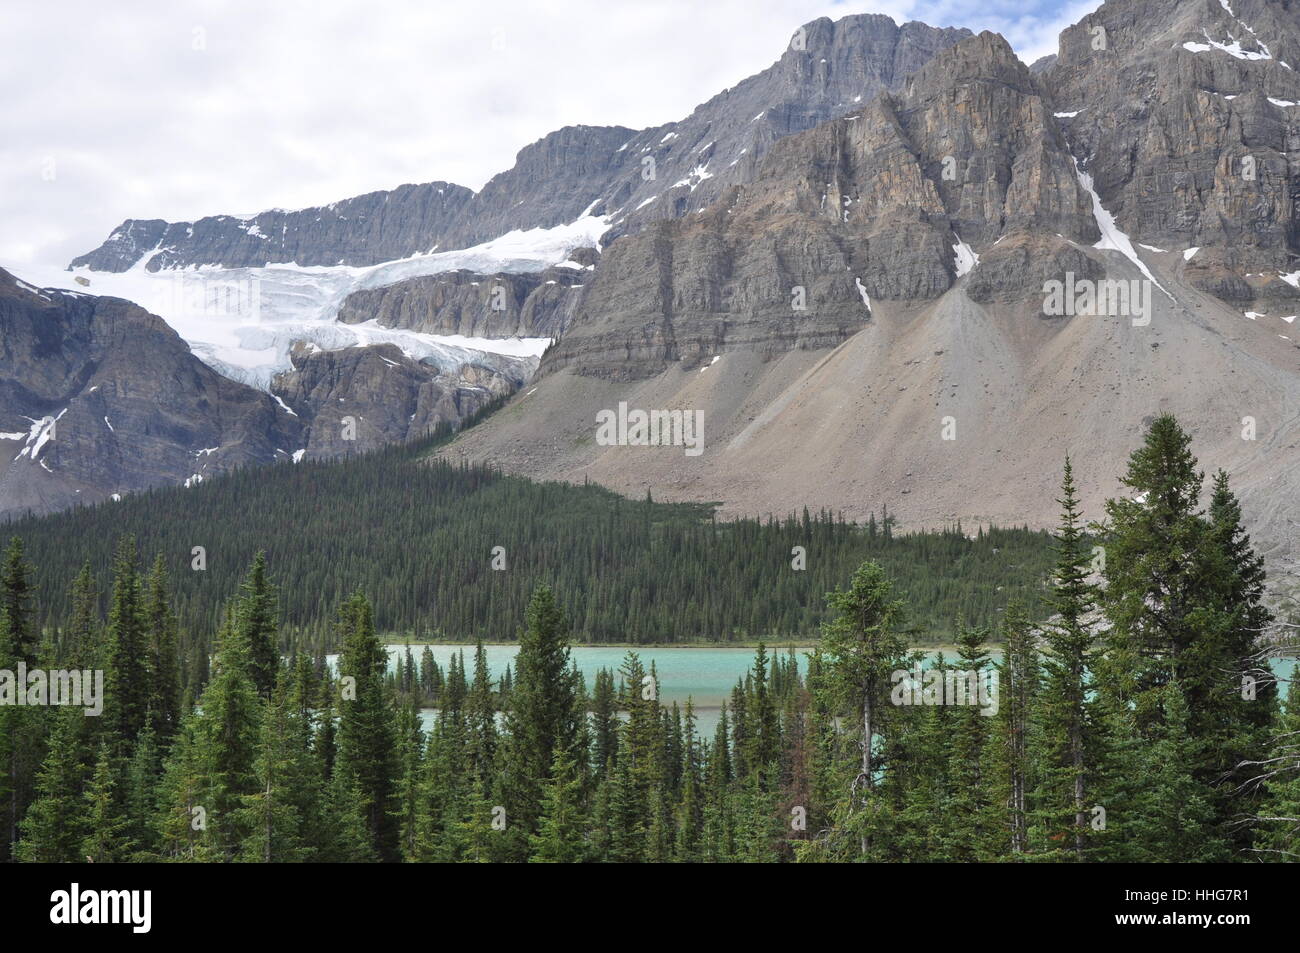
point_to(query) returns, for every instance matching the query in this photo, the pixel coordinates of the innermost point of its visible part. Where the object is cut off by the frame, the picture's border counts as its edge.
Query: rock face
(878, 205)
(1186, 113)
(132, 407)
(99, 397)
(365, 230)
(653, 174)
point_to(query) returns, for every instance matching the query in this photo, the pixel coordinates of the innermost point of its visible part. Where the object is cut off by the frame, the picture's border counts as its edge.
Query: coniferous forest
(454, 553)
(1138, 716)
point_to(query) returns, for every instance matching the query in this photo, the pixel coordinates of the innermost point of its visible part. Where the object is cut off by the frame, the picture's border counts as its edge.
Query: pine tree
(164, 661)
(542, 712)
(1171, 623)
(128, 685)
(16, 597)
(1019, 696)
(410, 742)
(972, 832)
(1174, 819)
(560, 829)
(275, 828)
(228, 729)
(81, 636)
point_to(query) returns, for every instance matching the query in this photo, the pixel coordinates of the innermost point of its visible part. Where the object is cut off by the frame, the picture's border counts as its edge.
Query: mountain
(572, 172)
(1186, 120)
(927, 371)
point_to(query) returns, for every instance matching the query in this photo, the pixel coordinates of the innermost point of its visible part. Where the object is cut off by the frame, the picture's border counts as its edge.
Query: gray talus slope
(864, 424)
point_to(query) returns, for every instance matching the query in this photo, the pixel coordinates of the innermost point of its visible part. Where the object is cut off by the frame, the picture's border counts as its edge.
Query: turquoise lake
(706, 675)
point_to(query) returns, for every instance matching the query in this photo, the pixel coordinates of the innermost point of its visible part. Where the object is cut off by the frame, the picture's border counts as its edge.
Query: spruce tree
(542, 712)
(561, 827)
(128, 685)
(105, 841)
(259, 624)
(164, 660)
(16, 598)
(52, 828)
(861, 646)
(1067, 722)
(366, 761)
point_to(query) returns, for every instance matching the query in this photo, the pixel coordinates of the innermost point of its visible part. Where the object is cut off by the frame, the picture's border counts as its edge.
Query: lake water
(705, 675)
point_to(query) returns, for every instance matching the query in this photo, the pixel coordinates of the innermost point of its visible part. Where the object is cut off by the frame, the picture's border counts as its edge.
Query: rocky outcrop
(362, 398)
(98, 397)
(829, 68)
(485, 306)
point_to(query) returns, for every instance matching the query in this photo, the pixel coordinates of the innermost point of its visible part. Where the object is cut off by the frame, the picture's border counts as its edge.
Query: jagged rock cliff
(1186, 113)
(362, 398)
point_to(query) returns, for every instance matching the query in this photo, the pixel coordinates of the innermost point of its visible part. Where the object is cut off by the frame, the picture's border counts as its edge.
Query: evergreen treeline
(1141, 723)
(419, 536)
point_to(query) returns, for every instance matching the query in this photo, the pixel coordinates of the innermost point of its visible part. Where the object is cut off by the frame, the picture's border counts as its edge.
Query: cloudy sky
(182, 109)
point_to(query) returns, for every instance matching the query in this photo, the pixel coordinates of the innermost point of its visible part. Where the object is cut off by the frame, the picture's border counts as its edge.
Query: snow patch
(966, 257)
(1232, 49)
(862, 290)
(1111, 237)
